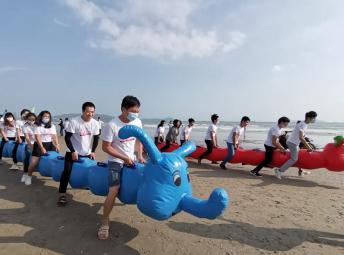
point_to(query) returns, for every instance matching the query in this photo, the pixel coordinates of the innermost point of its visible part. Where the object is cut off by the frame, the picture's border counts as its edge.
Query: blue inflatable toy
(57, 168)
(21, 151)
(8, 149)
(98, 179)
(45, 163)
(162, 187)
(80, 172)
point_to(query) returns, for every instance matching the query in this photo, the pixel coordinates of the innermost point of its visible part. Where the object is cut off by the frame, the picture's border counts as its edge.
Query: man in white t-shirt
(233, 140)
(210, 137)
(121, 152)
(272, 143)
(186, 132)
(294, 140)
(101, 124)
(82, 136)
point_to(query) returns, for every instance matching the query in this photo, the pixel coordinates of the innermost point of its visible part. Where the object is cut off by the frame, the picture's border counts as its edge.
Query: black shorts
(36, 151)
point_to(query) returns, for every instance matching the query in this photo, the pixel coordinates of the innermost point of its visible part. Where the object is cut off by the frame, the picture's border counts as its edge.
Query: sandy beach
(265, 216)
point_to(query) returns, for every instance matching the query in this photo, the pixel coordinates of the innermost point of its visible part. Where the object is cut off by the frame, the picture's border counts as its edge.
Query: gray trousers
(294, 156)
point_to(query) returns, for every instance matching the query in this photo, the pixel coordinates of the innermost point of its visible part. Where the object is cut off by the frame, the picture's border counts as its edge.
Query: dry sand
(266, 216)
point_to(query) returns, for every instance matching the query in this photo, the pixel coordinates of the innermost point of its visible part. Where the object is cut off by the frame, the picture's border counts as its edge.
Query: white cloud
(60, 23)
(8, 69)
(278, 68)
(152, 28)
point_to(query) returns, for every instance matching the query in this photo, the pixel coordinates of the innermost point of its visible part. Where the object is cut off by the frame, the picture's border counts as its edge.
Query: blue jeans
(230, 153)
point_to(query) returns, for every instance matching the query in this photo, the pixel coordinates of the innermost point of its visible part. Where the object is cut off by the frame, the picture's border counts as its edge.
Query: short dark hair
(191, 120)
(7, 115)
(176, 121)
(283, 120)
(214, 117)
(245, 118)
(39, 121)
(24, 111)
(130, 101)
(87, 104)
(311, 115)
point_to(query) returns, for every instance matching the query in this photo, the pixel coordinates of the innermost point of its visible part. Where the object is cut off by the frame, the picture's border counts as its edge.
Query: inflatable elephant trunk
(209, 209)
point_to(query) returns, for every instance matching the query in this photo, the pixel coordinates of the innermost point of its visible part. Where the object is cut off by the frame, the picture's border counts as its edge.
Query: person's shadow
(69, 230)
(270, 239)
(207, 171)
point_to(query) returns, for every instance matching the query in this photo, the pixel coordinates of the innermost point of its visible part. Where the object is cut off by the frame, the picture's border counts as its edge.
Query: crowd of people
(83, 133)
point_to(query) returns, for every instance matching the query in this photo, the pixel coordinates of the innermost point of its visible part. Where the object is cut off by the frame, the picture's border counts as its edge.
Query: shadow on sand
(69, 230)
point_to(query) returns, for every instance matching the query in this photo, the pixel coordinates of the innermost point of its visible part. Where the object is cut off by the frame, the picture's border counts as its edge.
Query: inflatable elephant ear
(134, 131)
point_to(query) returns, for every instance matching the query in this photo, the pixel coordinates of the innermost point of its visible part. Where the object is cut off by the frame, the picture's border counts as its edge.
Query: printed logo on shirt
(85, 132)
(130, 139)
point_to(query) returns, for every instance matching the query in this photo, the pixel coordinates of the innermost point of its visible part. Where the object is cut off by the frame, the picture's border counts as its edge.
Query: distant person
(100, 124)
(65, 124)
(8, 132)
(272, 143)
(170, 124)
(29, 132)
(1, 118)
(172, 134)
(61, 124)
(121, 153)
(185, 133)
(45, 140)
(82, 136)
(159, 135)
(211, 137)
(233, 140)
(294, 140)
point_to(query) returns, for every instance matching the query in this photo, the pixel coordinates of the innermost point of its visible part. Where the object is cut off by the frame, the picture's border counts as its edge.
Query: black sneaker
(254, 173)
(223, 166)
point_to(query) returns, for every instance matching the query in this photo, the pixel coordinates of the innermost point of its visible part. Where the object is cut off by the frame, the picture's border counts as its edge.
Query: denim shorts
(115, 173)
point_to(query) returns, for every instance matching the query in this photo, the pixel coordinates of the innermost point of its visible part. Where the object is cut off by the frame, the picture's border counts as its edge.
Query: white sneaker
(28, 180)
(23, 179)
(278, 174)
(14, 167)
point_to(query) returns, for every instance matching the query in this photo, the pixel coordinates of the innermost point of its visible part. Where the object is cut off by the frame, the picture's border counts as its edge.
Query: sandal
(62, 201)
(103, 232)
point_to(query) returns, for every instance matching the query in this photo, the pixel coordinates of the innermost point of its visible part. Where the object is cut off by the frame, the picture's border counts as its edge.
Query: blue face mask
(132, 116)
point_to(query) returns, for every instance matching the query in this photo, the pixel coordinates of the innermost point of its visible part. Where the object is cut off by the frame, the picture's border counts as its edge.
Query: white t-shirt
(186, 132)
(45, 133)
(9, 131)
(295, 135)
(20, 125)
(239, 132)
(211, 128)
(124, 146)
(83, 133)
(159, 131)
(100, 123)
(273, 131)
(30, 130)
(65, 124)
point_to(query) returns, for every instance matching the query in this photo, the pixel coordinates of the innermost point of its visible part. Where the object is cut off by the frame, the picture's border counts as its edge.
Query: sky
(182, 58)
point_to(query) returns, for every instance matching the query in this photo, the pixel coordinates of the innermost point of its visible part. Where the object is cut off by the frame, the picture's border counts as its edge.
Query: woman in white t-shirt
(159, 133)
(271, 143)
(234, 140)
(210, 137)
(29, 133)
(8, 130)
(45, 140)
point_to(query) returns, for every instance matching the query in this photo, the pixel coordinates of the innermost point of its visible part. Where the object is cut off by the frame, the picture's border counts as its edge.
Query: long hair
(7, 115)
(161, 123)
(39, 121)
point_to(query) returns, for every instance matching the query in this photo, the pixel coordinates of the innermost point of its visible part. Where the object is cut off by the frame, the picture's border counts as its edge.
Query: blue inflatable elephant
(162, 187)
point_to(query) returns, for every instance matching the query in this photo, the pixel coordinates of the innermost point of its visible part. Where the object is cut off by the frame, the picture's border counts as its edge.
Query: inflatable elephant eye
(176, 179)
(188, 177)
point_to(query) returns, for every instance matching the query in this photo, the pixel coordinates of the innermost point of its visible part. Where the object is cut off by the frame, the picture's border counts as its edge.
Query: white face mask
(45, 120)
(132, 116)
(10, 119)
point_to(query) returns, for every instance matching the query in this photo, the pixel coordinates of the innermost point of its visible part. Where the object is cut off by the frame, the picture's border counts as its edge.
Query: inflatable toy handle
(102, 164)
(60, 158)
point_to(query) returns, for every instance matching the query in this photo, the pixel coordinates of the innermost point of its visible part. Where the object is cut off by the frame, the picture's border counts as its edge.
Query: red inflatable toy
(332, 157)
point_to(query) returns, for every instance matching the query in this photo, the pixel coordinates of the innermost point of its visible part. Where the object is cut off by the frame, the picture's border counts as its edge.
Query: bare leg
(33, 165)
